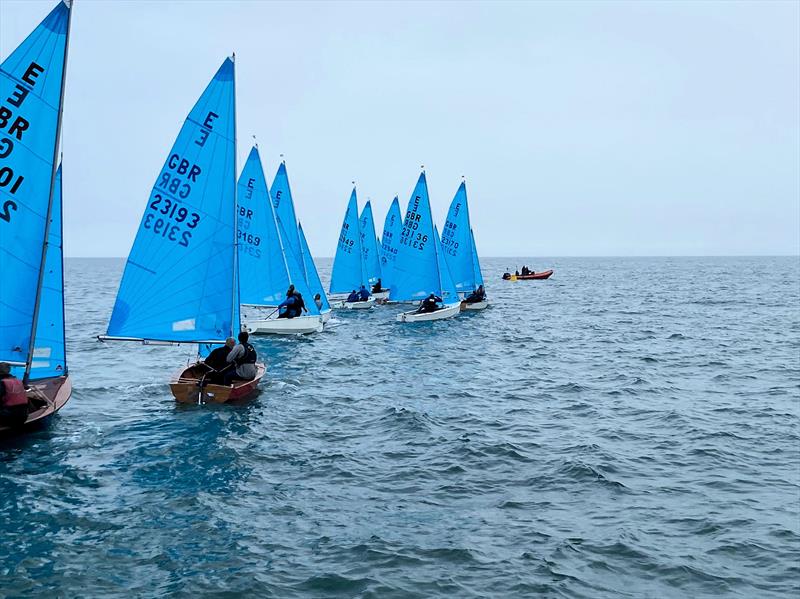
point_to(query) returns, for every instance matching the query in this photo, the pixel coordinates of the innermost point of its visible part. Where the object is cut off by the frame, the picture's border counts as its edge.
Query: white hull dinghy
(447, 311)
(474, 305)
(300, 325)
(345, 305)
(381, 296)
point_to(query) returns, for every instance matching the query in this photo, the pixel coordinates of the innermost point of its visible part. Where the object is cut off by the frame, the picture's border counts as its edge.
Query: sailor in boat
(353, 297)
(516, 273)
(218, 358)
(13, 399)
(377, 287)
(293, 305)
(243, 356)
(430, 304)
(318, 301)
(476, 296)
(363, 294)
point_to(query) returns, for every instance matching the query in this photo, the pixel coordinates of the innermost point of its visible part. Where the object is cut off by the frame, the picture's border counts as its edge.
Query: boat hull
(301, 325)
(474, 305)
(381, 296)
(448, 311)
(185, 386)
(326, 315)
(545, 274)
(48, 396)
(345, 305)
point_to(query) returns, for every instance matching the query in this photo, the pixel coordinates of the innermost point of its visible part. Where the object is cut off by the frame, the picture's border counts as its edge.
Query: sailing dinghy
(348, 272)
(32, 82)
(369, 251)
(180, 281)
(282, 200)
(267, 263)
(460, 253)
(419, 267)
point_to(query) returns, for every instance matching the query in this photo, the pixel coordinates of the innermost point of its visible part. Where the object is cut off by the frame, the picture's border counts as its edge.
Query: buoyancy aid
(249, 356)
(15, 393)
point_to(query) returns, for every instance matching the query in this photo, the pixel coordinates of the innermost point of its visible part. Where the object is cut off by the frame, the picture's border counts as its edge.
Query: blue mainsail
(284, 208)
(369, 245)
(49, 351)
(180, 281)
(416, 273)
(314, 282)
(31, 80)
(263, 275)
(389, 241)
(348, 265)
(457, 242)
(449, 292)
(476, 264)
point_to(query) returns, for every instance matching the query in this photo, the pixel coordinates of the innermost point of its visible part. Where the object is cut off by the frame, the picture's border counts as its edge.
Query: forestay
(457, 243)
(369, 245)
(31, 84)
(389, 241)
(416, 273)
(180, 282)
(476, 265)
(314, 282)
(263, 277)
(347, 273)
(449, 293)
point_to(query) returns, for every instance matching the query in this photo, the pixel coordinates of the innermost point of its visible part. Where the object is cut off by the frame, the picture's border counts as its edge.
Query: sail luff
(48, 215)
(236, 325)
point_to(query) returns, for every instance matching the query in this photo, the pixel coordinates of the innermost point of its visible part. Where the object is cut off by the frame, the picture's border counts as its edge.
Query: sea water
(628, 428)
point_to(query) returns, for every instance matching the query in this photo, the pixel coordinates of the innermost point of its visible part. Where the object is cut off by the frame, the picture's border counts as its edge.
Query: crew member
(476, 296)
(377, 287)
(430, 303)
(13, 399)
(243, 356)
(363, 294)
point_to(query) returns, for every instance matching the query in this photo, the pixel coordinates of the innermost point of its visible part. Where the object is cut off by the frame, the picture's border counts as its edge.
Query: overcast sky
(583, 128)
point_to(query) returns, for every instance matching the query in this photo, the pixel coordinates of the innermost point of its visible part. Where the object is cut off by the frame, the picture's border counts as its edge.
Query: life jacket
(249, 356)
(15, 393)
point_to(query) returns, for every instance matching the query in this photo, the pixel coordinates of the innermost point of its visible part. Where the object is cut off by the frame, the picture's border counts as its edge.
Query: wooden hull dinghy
(447, 311)
(300, 325)
(189, 386)
(474, 305)
(545, 274)
(45, 398)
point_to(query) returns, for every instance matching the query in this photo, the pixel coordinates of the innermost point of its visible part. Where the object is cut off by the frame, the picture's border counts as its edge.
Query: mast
(48, 216)
(235, 284)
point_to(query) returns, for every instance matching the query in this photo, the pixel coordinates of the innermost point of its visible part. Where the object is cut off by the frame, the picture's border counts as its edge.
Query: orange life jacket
(15, 393)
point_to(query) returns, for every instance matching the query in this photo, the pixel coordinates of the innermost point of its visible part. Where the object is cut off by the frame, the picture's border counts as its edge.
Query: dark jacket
(217, 358)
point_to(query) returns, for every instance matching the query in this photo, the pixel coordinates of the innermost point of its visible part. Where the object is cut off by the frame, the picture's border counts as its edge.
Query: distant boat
(369, 252)
(349, 272)
(267, 262)
(180, 281)
(534, 276)
(282, 200)
(420, 268)
(460, 253)
(389, 240)
(32, 342)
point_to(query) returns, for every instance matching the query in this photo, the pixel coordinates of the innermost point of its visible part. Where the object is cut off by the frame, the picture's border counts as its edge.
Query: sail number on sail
(248, 243)
(14, 126)
(410, 225)
(169, 217)
(345, 243)
(449, 244)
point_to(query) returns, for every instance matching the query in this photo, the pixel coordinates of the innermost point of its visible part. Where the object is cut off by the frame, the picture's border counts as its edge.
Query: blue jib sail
(457, 242)
(416, 273)
(30, 99)
(389, 241)
(297, 276)
(314, 282)
(369, 245)
(476, 264)
(263, 276)
(49, 350)
(449, 292)
(284, 208)
(347, 273)
(180, 282)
